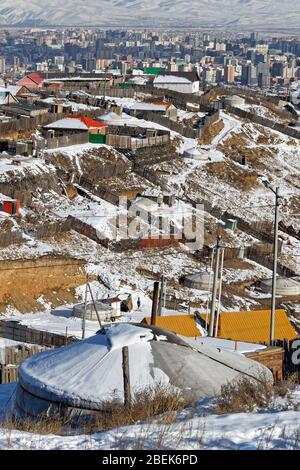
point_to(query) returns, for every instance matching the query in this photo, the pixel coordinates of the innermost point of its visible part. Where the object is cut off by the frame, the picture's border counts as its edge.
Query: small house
(182, 82)
(31, 81)
(15, 109)
(80, 124)
(10, 206)
(107, 310)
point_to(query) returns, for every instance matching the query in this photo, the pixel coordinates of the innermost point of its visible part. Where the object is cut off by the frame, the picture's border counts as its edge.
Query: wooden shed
(11, 206)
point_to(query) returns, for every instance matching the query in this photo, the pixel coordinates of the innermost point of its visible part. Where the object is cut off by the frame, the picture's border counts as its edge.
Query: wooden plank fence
(275, 126)
(17, 332)
(13, 357)
(291, 357)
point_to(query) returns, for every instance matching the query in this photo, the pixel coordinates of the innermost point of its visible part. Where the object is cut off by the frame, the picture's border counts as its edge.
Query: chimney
(154, 303)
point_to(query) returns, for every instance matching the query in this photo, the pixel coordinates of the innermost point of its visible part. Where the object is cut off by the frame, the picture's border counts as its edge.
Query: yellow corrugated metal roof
(254, 326)
(184, 325)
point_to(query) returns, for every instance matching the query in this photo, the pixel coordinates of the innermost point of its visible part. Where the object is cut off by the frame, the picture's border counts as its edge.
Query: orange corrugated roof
(88, 121)
(184, 325)
(254, 326)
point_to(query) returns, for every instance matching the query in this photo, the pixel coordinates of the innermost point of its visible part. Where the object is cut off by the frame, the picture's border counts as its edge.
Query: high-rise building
(249, 75)
(16, 64)
(229, 73)
(2, 64)
(277, 69)
(263, 75)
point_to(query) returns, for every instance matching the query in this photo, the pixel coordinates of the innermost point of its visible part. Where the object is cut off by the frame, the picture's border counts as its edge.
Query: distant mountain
(246, 14)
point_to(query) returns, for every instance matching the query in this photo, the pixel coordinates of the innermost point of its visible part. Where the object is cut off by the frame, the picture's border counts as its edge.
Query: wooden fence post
(126, 376)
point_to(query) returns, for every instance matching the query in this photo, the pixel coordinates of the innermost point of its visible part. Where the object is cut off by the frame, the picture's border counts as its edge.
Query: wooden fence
(24, 124)
(12, 357)
(14, 330)
(10, 238)
(179, 127)
(291, 357)
(127, 142)
(67, 140)
(275, 126)
(53, 229)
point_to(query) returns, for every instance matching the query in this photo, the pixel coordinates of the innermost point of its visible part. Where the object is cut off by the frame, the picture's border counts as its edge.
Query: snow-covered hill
(235, 13)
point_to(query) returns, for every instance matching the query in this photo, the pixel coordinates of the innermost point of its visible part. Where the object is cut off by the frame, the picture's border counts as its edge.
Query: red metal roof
(35, 77)
(88, 121)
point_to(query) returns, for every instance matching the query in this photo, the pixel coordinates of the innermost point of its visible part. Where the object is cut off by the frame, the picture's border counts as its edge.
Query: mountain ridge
(203, 13)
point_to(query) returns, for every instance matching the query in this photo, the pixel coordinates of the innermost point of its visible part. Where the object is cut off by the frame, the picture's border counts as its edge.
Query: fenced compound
(179, 127)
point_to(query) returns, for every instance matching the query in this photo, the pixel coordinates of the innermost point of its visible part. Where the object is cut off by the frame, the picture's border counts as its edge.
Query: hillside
(235, 13)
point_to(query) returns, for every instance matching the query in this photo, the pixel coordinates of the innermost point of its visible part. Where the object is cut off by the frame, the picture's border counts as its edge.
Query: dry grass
(233, 175)
(42, 426)
(211, 132)
(244, 396)
(147, 405)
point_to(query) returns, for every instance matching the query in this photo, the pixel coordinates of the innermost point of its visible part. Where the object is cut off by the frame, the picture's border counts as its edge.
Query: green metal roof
(153, 70)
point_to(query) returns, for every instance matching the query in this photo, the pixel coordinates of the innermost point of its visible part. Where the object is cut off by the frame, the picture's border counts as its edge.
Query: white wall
(180, 87)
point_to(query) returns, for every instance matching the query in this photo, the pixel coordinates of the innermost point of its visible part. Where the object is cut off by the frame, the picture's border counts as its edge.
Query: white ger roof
(68, 123)
(89, 372)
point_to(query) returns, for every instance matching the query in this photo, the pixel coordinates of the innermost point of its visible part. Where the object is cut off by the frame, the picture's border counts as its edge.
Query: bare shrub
(244, 396)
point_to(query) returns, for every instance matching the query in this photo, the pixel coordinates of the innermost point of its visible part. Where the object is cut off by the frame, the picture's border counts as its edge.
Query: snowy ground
(262, 430)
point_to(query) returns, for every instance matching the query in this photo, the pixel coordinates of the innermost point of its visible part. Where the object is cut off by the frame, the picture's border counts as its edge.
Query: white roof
(12, 89)
(68, 123)
(170, 79)
(225, 344)
(148, 107)
(114, 118)
(138, 80)
(89, 372)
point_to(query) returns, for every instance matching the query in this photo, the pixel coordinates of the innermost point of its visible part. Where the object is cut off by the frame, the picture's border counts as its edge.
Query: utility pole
(95, 306)
(220, 293)
(85, 305)
(214, 291)
(275, 191)
(126, 376)
(161, 296)
(275, 256)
